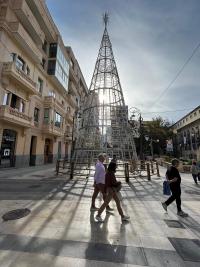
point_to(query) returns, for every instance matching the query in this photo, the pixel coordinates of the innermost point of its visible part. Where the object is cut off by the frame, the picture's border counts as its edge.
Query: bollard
(157, 168)
(63, 164)
(126, 172)
(148, 172)
(142, 165)
(57, 167)
(71, 170)
(152, 169)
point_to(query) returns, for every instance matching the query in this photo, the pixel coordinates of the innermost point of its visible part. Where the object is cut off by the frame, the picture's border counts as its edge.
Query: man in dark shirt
(174, 180)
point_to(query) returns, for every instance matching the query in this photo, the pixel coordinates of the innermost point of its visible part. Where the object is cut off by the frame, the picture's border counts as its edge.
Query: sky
(152, 40)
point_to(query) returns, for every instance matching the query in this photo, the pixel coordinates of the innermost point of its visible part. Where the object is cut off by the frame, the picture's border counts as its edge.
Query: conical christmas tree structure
(104, 126)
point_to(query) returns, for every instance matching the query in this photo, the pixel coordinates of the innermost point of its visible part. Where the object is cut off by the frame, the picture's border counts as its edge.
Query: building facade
(186, 141)
(77, 95)
(37, 104)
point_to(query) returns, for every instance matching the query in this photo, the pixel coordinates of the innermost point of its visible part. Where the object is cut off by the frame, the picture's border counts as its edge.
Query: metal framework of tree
(104, 127)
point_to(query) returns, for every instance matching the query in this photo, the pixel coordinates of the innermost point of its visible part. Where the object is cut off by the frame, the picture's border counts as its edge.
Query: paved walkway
(61, 230)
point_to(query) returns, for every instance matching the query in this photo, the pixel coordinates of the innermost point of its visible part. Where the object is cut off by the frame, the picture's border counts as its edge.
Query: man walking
(99, 182)
(195, 171)
(174, 180)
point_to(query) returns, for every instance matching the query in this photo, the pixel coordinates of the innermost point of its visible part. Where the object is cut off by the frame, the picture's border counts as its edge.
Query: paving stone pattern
(174, 224)
(61, 230)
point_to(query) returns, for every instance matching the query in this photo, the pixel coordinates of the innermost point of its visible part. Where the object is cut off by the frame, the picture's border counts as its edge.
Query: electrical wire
(177, 75)
(166, 111)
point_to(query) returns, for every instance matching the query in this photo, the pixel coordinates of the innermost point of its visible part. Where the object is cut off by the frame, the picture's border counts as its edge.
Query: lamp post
(77, 115)
(147, 138)
(136, 116)
(73, 145)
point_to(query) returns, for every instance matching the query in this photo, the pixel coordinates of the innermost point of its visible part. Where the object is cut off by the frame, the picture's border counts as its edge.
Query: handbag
(166, 188)
(117, 187)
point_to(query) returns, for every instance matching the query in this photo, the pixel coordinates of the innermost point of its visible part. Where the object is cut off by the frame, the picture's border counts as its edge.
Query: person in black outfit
(174, 180)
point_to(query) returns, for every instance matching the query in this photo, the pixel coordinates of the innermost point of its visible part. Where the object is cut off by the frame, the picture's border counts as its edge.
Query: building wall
(44, 141)
(187, 135)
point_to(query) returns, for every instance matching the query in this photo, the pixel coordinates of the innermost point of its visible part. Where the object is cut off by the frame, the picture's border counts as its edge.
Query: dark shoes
(182, 214)
(164, 206)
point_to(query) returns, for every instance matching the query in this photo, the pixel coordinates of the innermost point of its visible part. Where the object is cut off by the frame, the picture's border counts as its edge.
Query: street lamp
(76, 116)
(147, 138)
(135, 115)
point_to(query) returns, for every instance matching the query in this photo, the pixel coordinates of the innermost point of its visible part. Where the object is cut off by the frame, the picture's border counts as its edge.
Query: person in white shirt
(99, 182)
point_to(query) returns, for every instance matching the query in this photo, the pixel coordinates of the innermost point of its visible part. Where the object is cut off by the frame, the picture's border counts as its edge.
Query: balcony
(26, 17)
(50, 101)
(63, 89)
(44, 18)
(51, 129)
(20, 77)
(13, 116)
(25, 41)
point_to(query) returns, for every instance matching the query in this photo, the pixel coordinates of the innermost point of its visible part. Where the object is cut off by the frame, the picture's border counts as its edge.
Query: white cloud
(151, 41)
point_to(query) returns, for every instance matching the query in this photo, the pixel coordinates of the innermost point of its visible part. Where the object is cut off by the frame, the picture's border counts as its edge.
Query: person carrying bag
(174, 180)
(166, 188)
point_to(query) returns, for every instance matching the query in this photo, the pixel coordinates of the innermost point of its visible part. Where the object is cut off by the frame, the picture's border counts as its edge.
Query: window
(52, 93)
(36, 114)
(68, 109)
(28, 71)
(14, 102)
(58, 119)
(53, 50)
(40, 85)
(5, 99)
(20, 63)
(191, 116)
(51, 67)
(195, 113)
(46, 115)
